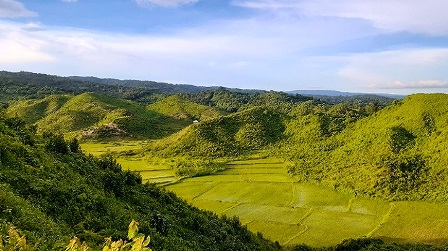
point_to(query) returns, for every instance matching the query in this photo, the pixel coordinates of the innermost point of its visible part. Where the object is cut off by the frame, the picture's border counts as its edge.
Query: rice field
(267, 200)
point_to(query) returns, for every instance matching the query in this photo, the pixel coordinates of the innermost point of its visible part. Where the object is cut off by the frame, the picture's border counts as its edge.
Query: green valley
(199, 167)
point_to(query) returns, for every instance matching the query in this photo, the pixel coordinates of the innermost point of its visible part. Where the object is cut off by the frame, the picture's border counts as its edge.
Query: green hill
(95, 116)
(180, 109)
(398, 153)
(33, 110)
(230, 135)
(50, 191)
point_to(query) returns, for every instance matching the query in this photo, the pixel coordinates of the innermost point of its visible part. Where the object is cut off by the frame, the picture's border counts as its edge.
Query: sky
(372, 46)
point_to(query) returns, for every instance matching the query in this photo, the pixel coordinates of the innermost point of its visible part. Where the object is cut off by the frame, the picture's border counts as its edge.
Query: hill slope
(95, 116)
(397, 153)
(181, 109)
(229, 135)
(51, 192)
(33, 110)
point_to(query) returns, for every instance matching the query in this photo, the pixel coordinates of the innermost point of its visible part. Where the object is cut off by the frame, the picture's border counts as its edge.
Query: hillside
(34, 110)
(95, 116)
(398, 153)
(51, 191)
(226, 136)
(181, 109)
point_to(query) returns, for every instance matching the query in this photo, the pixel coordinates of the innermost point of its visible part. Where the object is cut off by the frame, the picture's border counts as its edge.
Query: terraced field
(267, 200)
(152, 170)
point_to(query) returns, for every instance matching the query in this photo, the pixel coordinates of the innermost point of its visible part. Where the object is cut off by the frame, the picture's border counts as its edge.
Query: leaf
(146, 242)
(133, 229)
(138, 244)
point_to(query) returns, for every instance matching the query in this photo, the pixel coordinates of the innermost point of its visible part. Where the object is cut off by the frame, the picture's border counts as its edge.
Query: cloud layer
(415, 16)
(14, 9)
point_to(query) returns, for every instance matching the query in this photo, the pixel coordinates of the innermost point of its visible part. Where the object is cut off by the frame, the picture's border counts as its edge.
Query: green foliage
(221, 98)
(137, 242)
(13, 241)
(233, 101)
(401, 139)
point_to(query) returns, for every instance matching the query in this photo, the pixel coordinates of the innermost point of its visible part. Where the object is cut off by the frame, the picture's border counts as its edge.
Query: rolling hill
(230, 135)
(398, 153)
(95, 116)
(181, 109)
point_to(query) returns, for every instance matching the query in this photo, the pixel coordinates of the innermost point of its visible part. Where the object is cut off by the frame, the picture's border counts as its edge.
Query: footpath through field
(267, 200)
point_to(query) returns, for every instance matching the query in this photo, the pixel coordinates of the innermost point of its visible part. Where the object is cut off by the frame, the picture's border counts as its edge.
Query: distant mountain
(333, 93)
(160, 87)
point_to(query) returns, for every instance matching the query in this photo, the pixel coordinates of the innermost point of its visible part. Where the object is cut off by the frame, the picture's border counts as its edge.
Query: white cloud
(399, 69)
(166, 3)
(14, 9)
(423, 84)
(70, 1)
(416, 16)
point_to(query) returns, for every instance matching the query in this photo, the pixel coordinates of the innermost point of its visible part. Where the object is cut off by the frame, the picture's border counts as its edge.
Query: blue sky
(392, 46)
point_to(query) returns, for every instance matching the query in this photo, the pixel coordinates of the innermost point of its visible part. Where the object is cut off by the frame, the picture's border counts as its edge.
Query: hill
(51, 191)
(95, 116)
(397, 153)
(181, 109)
(34, 110)
(226, 136)
(233, 101)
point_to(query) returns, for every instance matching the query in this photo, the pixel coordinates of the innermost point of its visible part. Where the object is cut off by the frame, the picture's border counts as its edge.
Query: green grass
(95, 116)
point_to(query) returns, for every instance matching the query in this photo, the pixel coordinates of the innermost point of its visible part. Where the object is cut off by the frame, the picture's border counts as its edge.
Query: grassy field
(268, 201)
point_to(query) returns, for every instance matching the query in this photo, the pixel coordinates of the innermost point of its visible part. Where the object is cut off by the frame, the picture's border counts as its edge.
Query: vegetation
(27, 85)
(180, 109)
(226, 136)
(397, 153)
(230, 101)
(94, 116)
(373, 160)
